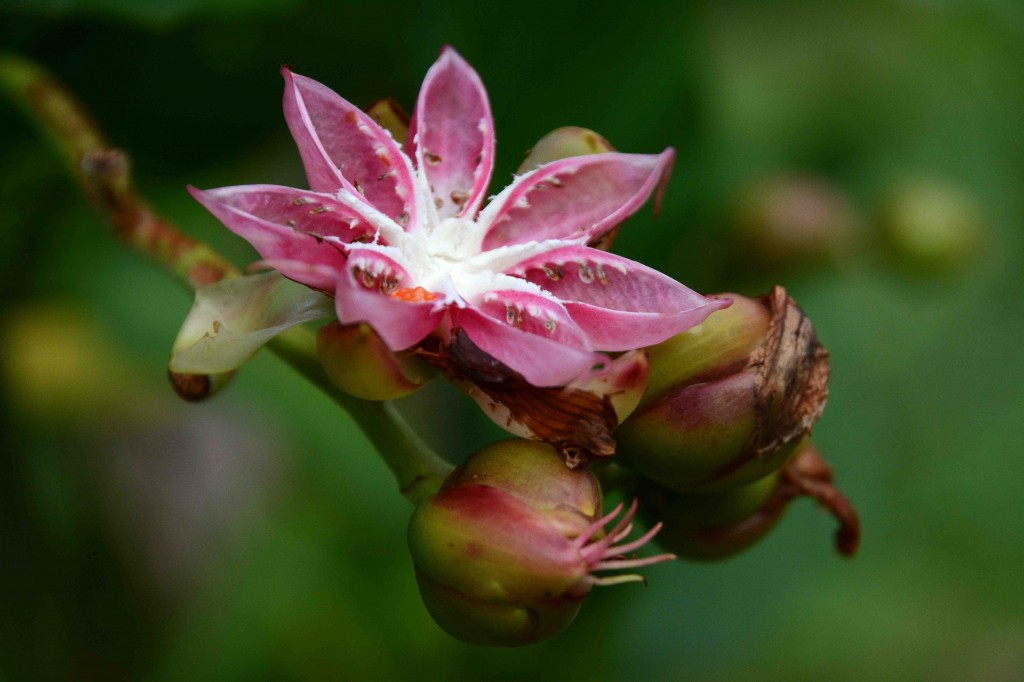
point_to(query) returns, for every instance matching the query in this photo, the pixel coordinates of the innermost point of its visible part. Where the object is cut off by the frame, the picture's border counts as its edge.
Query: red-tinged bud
(711, 526)
(790, 221)
(728, 400)
(359, 363)
(507, 550)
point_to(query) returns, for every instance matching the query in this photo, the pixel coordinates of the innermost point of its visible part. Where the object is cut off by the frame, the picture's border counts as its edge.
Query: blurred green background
(257, 536)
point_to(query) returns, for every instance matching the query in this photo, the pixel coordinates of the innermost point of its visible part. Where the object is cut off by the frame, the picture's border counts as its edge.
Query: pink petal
(620, 303)
(578, 197)
(320, 277)
(298, 209)
(534, 314)
(452, 135)
(341, 146)
(272, 240)
(541, 361)
(362, 295)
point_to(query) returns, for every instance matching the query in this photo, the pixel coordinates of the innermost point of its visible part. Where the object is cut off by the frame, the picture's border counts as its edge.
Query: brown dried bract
(805, 474)
(577, 423)
(808, 474)
(792, 377)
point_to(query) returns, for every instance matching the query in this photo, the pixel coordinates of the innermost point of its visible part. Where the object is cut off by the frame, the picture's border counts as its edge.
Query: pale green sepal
(232, 319)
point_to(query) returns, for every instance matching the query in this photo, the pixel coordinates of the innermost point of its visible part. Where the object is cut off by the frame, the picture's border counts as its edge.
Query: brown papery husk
(577, 423)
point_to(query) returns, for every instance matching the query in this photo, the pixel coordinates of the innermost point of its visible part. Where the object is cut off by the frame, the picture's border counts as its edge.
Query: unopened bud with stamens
(509, 547)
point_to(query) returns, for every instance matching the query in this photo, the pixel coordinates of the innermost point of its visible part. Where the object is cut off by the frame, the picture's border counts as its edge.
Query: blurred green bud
(718, 525)
(358, 362)
(931, 227)
(506, 551)
(729, 399)
(57, 361)
(790, 221)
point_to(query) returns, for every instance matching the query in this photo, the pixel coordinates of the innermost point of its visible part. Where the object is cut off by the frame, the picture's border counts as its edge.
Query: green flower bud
(718, 525)
(358, 362)
(728, 400)
(506, 551)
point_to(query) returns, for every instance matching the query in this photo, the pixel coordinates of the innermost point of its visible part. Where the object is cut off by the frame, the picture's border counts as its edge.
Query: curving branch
(104, 174)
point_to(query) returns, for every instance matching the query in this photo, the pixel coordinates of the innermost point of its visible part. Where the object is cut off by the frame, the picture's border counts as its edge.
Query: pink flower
(400, 240)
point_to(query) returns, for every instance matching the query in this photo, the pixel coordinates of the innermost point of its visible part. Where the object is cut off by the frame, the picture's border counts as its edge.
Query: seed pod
(506, 551)
(728, 400)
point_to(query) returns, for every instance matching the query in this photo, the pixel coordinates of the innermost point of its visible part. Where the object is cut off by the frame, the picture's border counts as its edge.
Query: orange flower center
(414, 295)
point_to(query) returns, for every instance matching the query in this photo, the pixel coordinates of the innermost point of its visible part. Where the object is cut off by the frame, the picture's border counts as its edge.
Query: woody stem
(104, 174)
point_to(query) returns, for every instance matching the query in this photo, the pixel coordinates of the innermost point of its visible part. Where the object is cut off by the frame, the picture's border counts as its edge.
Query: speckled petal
(541, 361)
(578, 197)
(276, 241)
(342, 147)
(452, 136)
(365, 294)
(534, 314)
(620, 303)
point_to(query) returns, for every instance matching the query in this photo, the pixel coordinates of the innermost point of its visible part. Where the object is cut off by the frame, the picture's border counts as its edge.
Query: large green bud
(506, 551)
(728, 400)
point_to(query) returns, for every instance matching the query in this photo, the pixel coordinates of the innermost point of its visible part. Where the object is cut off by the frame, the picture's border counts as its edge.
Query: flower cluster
(397, 236)
(521, 305)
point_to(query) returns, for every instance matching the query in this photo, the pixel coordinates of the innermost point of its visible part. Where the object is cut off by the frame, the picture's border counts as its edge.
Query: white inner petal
(445, 258)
